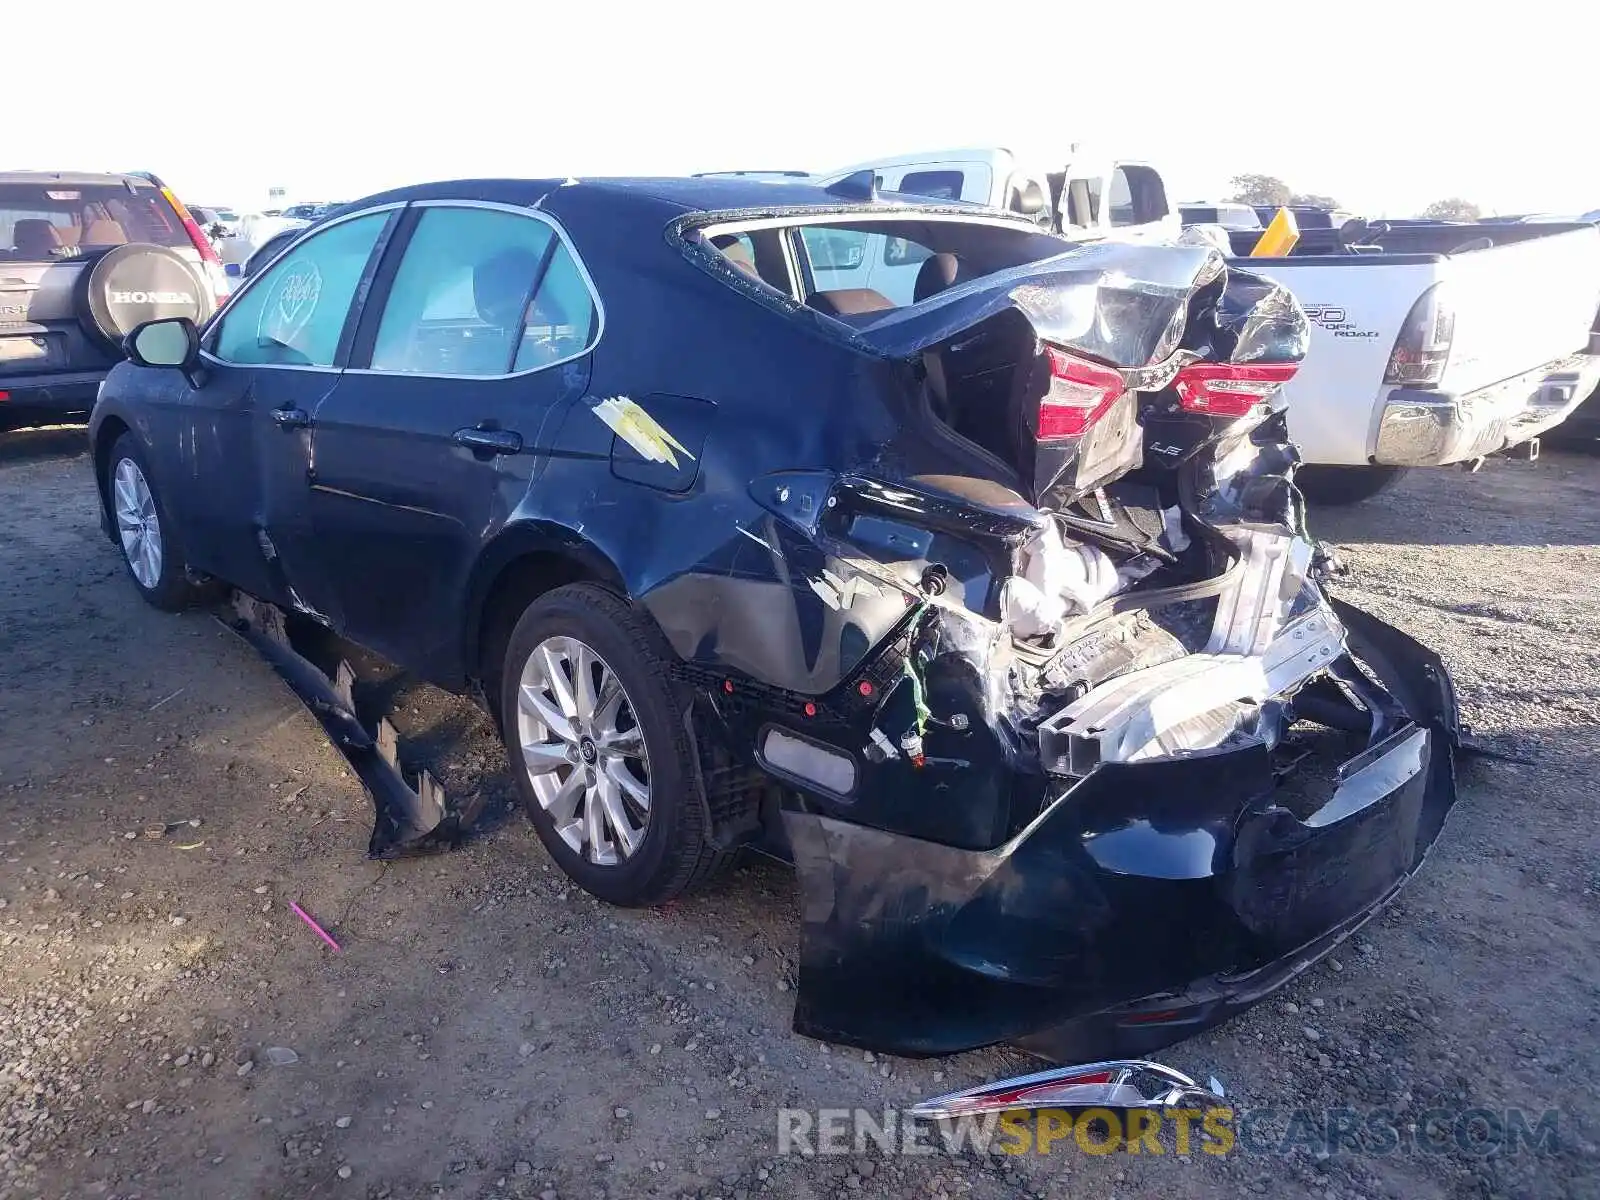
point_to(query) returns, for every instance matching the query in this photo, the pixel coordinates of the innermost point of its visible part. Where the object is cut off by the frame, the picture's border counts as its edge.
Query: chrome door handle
(489, 441)
(291, 418)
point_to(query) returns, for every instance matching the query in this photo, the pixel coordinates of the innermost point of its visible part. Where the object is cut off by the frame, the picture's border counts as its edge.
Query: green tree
(1259, 189)
(1313, 200)
(1453, 209)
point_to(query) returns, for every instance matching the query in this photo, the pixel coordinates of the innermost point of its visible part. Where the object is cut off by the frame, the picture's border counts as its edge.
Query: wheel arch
(525, 560)
(106, 436)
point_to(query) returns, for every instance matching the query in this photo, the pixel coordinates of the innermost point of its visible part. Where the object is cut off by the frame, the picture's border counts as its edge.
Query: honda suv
(84, 258)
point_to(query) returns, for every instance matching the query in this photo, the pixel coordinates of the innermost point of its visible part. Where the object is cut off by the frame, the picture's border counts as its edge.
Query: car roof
(71, 178)
(669, 196)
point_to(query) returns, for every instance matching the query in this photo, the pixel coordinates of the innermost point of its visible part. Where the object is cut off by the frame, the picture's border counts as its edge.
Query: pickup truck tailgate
(1520, 305)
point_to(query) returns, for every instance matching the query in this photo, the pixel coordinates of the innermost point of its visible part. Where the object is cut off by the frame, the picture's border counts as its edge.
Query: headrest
(938, 272)
(500, 285)
(36, 236)
(739, 255)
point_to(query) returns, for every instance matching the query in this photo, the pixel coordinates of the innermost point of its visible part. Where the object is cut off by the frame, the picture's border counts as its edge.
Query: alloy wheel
(137, 523)
(583, 750)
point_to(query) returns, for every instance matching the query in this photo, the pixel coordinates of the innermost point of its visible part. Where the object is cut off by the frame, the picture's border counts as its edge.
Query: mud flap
(408, 820)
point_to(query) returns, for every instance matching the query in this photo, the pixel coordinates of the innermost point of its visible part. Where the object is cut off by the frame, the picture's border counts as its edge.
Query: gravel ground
(169, 1028)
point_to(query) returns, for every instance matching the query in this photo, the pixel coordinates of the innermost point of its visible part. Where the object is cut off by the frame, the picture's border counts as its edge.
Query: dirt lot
(490, 1031)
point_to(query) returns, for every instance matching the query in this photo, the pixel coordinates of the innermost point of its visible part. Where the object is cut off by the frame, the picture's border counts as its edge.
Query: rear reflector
(1080, 393)
(828, 768)
(1229, 389)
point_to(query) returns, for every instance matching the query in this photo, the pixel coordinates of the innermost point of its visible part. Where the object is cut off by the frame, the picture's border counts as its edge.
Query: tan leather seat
(849, 302)
(737, 253)
(104, 233)
(35, 237)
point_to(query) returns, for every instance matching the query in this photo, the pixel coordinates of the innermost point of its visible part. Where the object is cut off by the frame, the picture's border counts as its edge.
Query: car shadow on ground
(49, 441)
(1506, 503)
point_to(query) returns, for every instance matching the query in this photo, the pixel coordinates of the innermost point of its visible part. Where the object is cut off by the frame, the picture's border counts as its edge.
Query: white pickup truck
(1087, 197)
(1434, 343)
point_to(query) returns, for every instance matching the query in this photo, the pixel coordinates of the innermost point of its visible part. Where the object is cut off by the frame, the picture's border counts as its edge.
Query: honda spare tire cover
(131, 284)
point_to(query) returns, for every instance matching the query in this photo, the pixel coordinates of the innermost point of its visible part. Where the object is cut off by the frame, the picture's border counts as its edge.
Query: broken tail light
(1081, 392)
(1230, 389)
(1422, 347)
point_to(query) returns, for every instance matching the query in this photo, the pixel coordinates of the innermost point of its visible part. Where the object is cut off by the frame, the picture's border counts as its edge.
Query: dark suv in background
(84, 258)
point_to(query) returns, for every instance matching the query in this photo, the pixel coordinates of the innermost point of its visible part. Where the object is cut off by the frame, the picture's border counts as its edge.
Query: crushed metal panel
(407, 820)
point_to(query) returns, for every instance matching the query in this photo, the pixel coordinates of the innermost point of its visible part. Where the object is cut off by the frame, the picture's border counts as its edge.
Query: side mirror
(172, 342)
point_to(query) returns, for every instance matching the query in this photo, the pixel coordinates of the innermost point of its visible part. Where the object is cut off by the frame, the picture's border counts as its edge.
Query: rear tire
(606, 768)
(1334, 487)
(147, 535)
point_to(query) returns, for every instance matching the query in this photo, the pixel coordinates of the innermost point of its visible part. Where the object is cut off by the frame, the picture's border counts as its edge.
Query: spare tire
(131, 284)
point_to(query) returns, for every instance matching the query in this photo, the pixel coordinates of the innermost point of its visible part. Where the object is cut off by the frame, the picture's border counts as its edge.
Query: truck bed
(1524, 297)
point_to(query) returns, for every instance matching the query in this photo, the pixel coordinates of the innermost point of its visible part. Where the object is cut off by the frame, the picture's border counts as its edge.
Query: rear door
(479, 331)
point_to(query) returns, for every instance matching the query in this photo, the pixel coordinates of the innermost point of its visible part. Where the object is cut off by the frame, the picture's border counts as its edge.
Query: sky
(1385, 107)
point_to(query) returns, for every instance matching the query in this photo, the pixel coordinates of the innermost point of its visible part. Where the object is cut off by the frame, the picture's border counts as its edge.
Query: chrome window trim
(583, 273)
(233, 299)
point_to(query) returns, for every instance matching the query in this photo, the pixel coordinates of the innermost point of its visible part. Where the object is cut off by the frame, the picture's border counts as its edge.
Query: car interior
(39, 228)
(944, 252)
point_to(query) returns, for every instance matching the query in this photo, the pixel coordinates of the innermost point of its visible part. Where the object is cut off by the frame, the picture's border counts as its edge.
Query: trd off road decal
(290, 307)
(1336, 321)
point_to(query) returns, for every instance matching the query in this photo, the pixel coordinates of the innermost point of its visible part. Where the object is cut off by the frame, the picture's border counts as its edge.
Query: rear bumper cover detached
(1422, 428)
(1146, 902)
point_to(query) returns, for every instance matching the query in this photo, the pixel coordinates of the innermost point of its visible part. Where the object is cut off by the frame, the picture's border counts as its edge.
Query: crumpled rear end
(1148, 773)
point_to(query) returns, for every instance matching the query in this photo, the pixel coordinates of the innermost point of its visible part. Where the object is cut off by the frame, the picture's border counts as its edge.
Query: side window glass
(463, 300)
(833, 250)
(939, 185)
(293, 316)
(562, 320)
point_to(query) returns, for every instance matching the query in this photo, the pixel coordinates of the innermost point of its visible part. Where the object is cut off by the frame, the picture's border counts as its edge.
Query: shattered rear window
(858, 267)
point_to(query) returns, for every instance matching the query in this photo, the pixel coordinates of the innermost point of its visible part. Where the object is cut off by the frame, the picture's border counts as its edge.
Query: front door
(477, 334)
(271, 360)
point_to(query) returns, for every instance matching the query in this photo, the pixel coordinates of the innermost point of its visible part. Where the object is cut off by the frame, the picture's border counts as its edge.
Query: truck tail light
(1080, 394)
(1230, 389)
(1423, 346)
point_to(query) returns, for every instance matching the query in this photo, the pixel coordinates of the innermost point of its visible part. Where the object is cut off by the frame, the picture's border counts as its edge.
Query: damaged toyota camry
(981, 593)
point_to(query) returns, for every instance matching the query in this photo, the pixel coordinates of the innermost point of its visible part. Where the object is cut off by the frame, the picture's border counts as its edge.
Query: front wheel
(1334, 487)
(152, 549)
(598, 742)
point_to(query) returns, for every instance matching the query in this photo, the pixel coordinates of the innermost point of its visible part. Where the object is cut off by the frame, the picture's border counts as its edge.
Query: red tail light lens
(202, 243)
(1230, 389)
(1080, 393)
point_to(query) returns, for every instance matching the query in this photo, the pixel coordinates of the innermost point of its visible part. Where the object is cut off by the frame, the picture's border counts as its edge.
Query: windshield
(47, 220)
